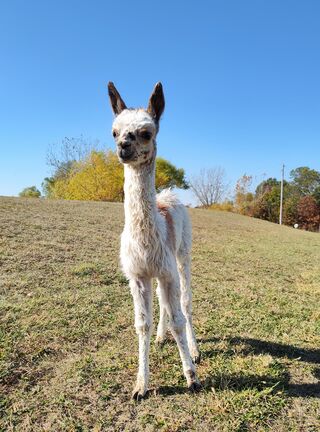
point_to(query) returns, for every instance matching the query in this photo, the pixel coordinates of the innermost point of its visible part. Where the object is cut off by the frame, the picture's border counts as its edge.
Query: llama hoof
(196, 359)
(193, 382)
(138, 394)
(195, 387)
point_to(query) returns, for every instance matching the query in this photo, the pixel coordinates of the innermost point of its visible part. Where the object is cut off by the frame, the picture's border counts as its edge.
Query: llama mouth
(125, 156)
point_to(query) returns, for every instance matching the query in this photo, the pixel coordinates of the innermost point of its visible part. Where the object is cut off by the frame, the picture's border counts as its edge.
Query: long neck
(140, 197)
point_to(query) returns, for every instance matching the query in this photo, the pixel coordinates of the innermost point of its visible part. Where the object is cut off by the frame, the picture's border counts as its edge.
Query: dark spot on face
(145, 154)
(131, 136)
(115, 134)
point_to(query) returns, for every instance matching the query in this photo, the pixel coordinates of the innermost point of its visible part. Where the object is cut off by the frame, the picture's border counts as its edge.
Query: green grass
(68, 346)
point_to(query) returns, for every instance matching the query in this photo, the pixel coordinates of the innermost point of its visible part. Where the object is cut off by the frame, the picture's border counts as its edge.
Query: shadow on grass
(257, 346)
(171, 390)
(264, 384)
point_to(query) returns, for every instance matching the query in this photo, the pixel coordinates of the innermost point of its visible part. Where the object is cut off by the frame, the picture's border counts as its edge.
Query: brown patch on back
(171, 237)
(162, 208)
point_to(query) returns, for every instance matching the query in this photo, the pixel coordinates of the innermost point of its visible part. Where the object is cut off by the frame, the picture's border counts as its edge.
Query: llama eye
(114, 133)
(145, 135)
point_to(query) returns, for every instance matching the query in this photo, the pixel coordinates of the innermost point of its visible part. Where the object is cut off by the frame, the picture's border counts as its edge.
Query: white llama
(156, 239)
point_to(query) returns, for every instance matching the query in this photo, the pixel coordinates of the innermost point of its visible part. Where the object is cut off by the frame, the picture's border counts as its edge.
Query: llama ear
(156, 102)
(117, 103)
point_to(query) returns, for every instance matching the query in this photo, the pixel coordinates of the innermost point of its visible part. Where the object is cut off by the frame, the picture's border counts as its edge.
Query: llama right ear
(156, 102)
(117, 103)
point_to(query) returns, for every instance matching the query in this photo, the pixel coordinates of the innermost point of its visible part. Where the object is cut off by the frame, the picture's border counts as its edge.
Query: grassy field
(68, 345)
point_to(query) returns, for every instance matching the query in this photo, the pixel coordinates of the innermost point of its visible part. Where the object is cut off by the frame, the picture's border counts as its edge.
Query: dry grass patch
(68, 346)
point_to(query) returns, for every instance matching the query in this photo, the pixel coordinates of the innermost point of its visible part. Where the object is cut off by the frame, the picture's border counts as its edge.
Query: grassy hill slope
(68, 345)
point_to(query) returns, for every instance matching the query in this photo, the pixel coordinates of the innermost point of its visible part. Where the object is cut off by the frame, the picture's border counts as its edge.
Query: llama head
(135, 130)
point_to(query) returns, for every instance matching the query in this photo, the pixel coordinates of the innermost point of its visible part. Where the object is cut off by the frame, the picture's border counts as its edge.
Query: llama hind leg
(186, 304)
(141, 291)
(170, 293)
(163, 319)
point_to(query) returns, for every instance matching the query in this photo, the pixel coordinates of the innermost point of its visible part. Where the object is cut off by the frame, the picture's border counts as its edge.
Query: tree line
(82, 171)
(301, 199)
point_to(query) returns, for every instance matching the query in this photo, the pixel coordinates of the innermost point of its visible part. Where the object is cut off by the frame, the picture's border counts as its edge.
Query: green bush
(30, 192)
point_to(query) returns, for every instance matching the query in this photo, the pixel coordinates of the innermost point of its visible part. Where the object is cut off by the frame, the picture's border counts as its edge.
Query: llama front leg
(170, 293)
(163, 319)
(142, 296)
(186, 304)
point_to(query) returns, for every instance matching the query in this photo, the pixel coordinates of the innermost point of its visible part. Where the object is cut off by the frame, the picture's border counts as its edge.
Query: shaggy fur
(156, 239)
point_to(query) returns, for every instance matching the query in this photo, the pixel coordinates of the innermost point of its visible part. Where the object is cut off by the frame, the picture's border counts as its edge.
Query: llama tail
(167, 198)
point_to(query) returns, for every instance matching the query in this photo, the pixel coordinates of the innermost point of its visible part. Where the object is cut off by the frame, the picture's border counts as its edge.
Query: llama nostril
(125, 144)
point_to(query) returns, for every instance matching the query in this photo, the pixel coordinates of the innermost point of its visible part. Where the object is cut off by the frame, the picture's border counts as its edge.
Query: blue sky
(241, 80)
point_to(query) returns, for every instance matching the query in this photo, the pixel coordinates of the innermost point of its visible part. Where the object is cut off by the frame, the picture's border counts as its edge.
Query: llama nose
(125, 144)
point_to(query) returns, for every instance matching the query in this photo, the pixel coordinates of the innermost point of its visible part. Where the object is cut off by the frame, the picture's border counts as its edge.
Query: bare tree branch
(61, 155)
(210, 186)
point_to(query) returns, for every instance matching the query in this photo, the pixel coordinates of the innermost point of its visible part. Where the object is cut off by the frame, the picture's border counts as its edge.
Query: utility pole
(281, 195)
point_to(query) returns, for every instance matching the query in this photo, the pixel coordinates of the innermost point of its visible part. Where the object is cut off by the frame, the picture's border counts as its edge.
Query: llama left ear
(156, 102)
(116, 101)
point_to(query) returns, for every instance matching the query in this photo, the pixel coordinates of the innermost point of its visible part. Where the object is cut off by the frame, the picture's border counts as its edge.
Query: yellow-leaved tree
(99, 176)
